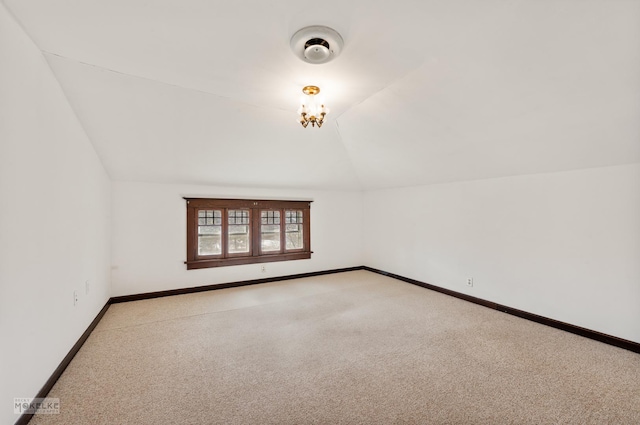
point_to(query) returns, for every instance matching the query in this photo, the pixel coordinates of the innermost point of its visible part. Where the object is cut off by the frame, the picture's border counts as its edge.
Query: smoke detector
(316, 44)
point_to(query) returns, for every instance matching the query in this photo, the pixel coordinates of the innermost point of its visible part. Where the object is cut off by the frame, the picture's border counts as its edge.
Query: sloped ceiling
(202, 91)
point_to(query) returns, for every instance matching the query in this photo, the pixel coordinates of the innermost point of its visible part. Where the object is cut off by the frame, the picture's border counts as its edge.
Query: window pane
(270, 231)
(209, 245)
(293, 229)
(238, 231)
(270, 217)
(209, 232)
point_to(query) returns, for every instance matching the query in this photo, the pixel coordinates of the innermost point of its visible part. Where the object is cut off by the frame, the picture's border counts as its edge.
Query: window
(226, 232)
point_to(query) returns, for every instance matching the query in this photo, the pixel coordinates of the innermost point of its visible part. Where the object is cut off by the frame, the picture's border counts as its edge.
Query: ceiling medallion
(312, 111)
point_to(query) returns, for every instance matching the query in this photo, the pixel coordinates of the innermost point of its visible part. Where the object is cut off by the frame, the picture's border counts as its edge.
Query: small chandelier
(311, 110)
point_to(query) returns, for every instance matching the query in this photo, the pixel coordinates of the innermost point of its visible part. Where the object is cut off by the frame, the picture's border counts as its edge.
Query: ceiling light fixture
(316, 44)
(312, 110)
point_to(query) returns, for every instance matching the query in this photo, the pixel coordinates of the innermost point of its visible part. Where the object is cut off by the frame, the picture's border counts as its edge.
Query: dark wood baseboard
(588, 333)
(25, 418)
(181, 291)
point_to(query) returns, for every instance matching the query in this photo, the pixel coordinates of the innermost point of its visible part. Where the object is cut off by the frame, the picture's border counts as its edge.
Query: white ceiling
(205, 91)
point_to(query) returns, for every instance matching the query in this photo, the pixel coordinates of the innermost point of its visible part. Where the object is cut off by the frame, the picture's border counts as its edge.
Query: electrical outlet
(263, 269)
(75, 298)
(469, 281)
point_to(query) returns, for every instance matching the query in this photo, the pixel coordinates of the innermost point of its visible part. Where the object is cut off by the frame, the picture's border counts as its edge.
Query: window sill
(219, 262)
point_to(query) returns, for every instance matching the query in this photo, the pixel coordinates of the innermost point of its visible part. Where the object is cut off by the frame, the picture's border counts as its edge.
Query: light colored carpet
(349, 348)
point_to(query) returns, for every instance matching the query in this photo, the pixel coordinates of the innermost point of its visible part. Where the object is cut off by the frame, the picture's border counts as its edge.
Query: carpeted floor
(349, 348)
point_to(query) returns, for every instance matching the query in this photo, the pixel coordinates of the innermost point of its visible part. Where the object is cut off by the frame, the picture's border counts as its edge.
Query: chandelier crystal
(312, 110)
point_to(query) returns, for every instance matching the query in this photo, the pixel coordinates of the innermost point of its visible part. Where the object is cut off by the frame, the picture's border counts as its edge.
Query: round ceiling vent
(316, 44)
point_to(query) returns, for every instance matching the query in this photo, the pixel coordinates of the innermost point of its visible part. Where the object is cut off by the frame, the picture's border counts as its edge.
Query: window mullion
(283, 232)
(225, 227)
(255, 237)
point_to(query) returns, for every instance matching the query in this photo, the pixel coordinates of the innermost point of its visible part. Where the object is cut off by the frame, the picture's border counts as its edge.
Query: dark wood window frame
(255, 254)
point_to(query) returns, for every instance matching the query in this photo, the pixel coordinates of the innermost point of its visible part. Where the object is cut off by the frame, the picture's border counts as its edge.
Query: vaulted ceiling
(425, 91)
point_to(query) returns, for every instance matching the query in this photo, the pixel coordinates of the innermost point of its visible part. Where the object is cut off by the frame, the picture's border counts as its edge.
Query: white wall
(562, 245)
(149, 236)
(54, 222)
